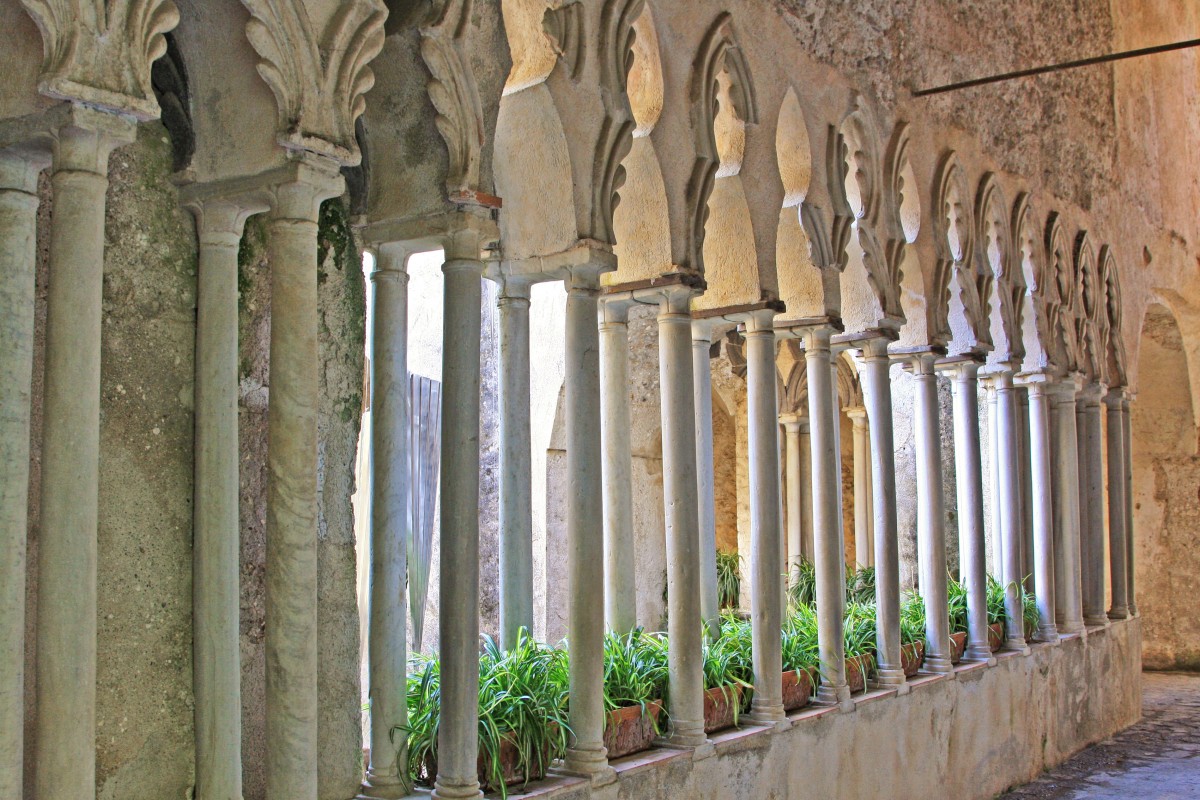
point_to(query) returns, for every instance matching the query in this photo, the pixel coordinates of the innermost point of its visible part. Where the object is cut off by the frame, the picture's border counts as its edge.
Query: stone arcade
(712, 278)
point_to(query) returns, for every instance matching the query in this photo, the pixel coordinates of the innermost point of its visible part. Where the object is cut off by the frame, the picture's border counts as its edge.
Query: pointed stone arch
(957, 316)
(1114, 339)
(1059, 294)
(1029, 258)
(901, 220)
(1088, 354)
(999, 265)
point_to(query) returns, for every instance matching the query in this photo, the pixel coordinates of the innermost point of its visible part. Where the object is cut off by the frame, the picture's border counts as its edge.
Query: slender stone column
(1010, 504)
(877, 397)
(216, 666)
(387, 774)
(1116, 504)
(862, 520)
(458, 625)
(808, 548)
(1092, 499)
(620, 565)
(291, 574)
(516, 465)
(994, 477)
(931, 532)
(18, 254)
(67, 547)
(1066, 523)
(705, 478)
(795, 514)
(1042, 508)
(968, 462)
(685, 656)
(1130, 565)
(585, 527)
(766, 601)
(827, 530)
(1024, 489)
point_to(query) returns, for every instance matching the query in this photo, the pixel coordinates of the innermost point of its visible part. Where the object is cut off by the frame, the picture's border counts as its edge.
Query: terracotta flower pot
(958, 644)
(630, 729)
(996, 636)
(912, 655)
(797, 689)
(856, 672)
(510, 770)
(721, 707)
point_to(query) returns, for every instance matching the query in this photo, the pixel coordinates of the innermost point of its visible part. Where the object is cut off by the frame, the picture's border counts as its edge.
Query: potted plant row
(635, 678)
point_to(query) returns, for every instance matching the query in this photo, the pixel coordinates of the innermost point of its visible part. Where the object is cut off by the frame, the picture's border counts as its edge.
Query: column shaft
(1116, 506)
(585, 527)
(1092, 535)
(1066, 523)
(1024, 490)
(67, 543)
(931, 531)
(1042, 508)
(1130, 565)
(387, 773)
(997, 563)
(216, 610)
(795, 514)
(862, 517)
(1010, 510)
(458, 591)
(620, 565)
(686, 677)
(516, 467)
(766, 607)
(827, 530)
(877, 397)
(291, 575)
(705, 478)
(18, 255)
(969, 473)
(807, 543)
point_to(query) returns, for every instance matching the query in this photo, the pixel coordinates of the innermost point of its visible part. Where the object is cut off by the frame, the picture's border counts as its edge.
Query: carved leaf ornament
(319, 78)
(100, 51)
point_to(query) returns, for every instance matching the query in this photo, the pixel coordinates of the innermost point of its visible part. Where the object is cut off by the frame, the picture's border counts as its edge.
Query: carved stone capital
(315, 59)
(99, 52)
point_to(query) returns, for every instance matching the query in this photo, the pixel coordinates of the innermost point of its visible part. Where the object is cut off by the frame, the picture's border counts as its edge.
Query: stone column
(968, 468)
(1024, 489)
(387, 773)
(827, 530)
(458, 591)
(1010, 503)
(18, 256)
(291, 555)
(516, 465)
(705, 479)
(1127, 450)
(67, 546)
(931, 531)
(620, 565)
(877, 397)
(862, 521)
(216, 609)
(1116, 504)
(795, 514)
(766, 601)
(807, 545)
(1066, 523)
(1042, 507)
(585, 527)
(1092, 500)
(994, 478)
(686, 678)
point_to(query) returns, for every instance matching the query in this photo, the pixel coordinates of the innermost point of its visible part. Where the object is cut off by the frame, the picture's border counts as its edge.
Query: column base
(766, 715)
(1047, 634)
(890, 677)
(1017, 645)
(1094, 621)
(978, 652)
(590, 763)
(687, 735)
(1119, 612)
(939, 665)
(831, 695)
(446, 790)
(383, 787)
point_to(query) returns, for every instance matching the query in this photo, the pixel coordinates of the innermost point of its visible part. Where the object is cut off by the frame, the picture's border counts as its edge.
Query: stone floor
(1157, 759)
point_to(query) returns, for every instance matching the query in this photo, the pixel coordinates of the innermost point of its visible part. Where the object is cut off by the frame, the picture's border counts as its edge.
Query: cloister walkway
(1157, 759)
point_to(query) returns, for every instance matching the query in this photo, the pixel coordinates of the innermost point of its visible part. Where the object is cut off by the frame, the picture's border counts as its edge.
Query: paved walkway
(1157, 759)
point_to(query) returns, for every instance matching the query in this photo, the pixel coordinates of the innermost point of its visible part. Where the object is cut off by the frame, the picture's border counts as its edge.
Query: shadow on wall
(1166, 480)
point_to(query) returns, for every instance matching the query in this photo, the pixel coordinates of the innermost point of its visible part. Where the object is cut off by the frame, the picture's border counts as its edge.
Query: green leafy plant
(802, 584)
(800, 641)
(912, 618)
(859, 630)
(995, 601)
(728, 660)
(1029, 611)
(860, 584)
(729, 578)
(957, 597)
(635, 670)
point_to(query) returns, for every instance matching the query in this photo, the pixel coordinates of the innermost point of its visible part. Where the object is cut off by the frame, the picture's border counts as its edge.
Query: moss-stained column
(216, 670)
(620, 562)
(705, 473)
(685, 656)
(18, 252)
(387, 772)
(67, 549)
(291, 556)
(585, 527)
(458, 622)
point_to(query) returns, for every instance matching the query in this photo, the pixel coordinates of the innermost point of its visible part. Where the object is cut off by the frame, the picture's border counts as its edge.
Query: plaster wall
(972, 736)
